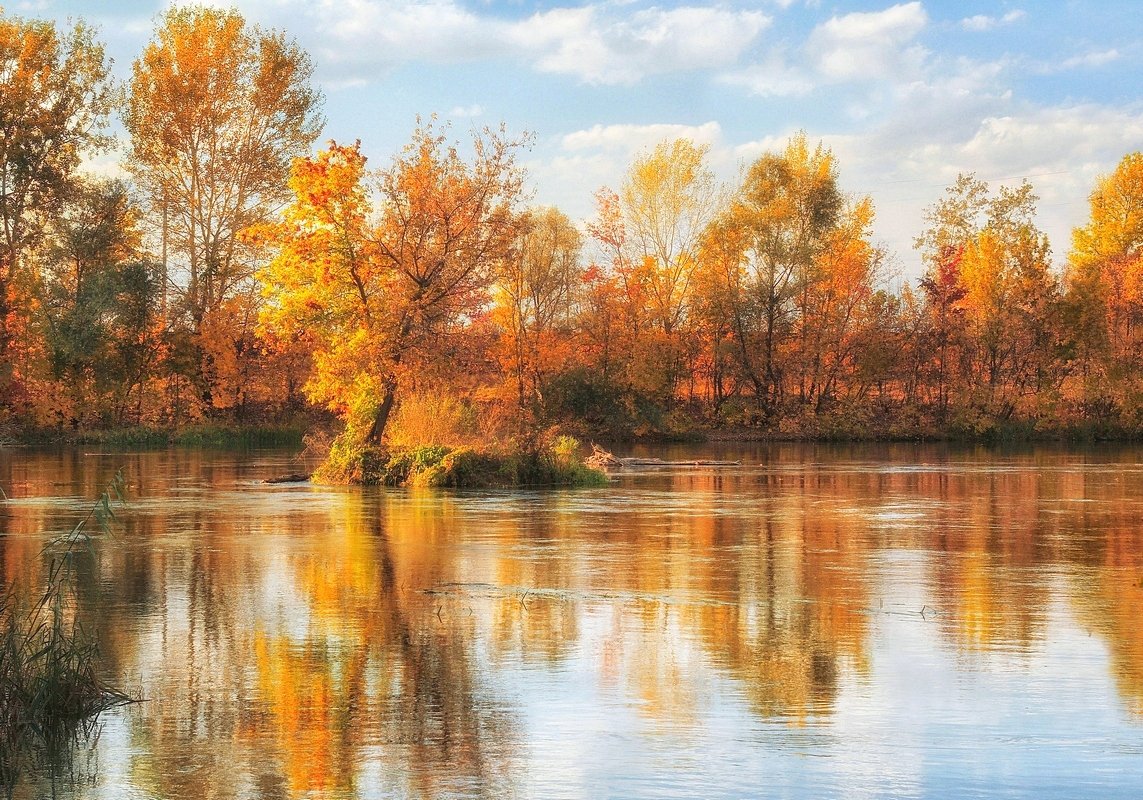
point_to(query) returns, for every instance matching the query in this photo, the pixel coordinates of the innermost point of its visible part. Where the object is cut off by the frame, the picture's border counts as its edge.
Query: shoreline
(224, 436)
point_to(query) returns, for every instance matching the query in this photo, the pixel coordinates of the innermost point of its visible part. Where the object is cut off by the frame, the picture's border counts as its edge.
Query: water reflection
(305, 642)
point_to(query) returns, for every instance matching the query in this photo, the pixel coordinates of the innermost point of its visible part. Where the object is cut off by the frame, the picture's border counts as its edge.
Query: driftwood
(293, 477)
(602, 459)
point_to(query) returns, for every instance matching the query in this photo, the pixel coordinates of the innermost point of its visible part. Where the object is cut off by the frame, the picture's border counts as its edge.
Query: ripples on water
(862, 621)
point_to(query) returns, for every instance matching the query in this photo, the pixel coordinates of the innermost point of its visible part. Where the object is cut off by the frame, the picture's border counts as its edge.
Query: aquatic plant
(51, 690)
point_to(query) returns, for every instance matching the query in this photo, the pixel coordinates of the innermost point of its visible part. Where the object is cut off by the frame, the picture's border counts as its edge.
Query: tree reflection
(311, 643)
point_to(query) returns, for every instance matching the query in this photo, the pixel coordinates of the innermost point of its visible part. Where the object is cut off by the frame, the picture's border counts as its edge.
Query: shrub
(469, 468)
(433, 418)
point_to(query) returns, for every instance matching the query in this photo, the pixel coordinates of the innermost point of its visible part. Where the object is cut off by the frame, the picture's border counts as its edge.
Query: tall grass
(51, 691)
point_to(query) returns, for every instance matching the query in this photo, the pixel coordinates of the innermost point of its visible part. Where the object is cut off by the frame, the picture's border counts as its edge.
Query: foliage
(239, 279)
(100, 304)
(55, 95)
(216, 112)
(537, 292)
(427, 418)
(383, 287)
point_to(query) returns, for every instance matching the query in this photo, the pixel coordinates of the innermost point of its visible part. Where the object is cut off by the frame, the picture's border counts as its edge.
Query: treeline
(240, 277)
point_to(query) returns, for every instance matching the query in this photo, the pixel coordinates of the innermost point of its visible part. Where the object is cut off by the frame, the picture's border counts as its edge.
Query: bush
(559, 464)
(435, 418)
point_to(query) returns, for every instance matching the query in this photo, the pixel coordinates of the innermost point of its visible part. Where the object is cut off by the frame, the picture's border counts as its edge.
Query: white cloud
(603, 43)
(1093, 59)
(855, 48)
(1060, 150)
(631, 138)
(865, 45)
(775, 77)
(474, 110)
(983, 22)
(600, 48)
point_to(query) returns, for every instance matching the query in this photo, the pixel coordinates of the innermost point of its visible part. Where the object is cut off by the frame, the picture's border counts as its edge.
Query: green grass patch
(472, 468)
(441, 466)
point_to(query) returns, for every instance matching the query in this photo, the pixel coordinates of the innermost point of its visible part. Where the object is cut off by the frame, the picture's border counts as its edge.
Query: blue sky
(906, 94)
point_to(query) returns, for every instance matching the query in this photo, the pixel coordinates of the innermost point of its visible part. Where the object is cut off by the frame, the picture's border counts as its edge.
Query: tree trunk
(377, 431)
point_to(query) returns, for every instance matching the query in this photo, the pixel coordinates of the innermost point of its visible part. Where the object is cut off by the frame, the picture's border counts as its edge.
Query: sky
(907, 95)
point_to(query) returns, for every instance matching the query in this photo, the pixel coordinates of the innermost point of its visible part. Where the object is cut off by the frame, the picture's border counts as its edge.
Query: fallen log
(602, 459)
(659, 462)
(293, 477)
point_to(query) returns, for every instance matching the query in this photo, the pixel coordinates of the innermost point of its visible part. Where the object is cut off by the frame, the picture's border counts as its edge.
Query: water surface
(862, 621)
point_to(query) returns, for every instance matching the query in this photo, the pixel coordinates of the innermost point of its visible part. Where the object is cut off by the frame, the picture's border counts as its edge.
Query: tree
(99, 298)
(1107, 259)
(992, 296)
(384, 285)
(55, 95)
(837, 303)
(945, 324)
(767, 245)
(668, 198)
(216, 113)
(537, 291)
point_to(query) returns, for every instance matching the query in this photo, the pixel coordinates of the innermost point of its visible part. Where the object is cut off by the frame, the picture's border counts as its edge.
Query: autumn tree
(55, 95)
(99, 297)
(992, 296)
(944, 322)
(1105, 281)
(667, 198)
(216, 112)
(837, 307)
(537, 291)
(651, 231)
(385, 281)
(766, 247)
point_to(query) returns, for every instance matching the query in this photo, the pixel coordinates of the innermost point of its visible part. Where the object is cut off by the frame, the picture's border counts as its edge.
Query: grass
(205, 435)
(462, 467)
(471, 468)
(51, 691)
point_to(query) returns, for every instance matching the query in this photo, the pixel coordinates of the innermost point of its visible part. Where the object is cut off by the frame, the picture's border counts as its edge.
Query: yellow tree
(989, 267)
(217, 110)
(766, 247)
(668, 197)
(55, 94)
(1105, 274)
(386, 284)
(651, 230)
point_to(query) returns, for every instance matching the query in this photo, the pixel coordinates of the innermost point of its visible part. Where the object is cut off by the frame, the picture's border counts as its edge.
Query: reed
(51, 690)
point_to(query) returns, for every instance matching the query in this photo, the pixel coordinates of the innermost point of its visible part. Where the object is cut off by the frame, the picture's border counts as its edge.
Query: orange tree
(55, 95)
(384, 283)
(217, 111)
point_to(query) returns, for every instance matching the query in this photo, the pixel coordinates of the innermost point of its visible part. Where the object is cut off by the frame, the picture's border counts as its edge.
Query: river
(821, 621)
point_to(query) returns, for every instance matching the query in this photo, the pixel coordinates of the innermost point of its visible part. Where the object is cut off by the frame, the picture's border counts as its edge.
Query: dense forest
(243, 274)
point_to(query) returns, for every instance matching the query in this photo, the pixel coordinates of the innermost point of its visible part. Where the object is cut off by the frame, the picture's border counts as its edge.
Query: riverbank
(144, 437)
(292, 435)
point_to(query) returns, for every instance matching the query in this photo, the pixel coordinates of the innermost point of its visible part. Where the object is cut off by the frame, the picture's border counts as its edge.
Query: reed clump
(51, 690)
